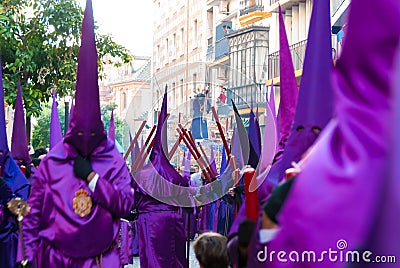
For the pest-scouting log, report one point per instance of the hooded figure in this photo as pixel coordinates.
(82, 187)
(313, 111)
(12, 184)
(161, 227)
(334, 203)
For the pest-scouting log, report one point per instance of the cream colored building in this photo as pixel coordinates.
(129, 88)
(179, 53)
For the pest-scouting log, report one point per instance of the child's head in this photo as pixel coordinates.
(211, 251)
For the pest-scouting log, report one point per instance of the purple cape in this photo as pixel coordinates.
(52, 227)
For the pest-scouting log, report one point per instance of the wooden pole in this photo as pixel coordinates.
(135, 139)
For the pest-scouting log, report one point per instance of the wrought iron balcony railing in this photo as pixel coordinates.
(335, 5)
(297, 50)
(250, 9)
(273, 2)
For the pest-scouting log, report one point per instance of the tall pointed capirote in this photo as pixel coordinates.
(55, 126)
(186, 171)
(223, 161)
(71, 110)
(19, 142)
(86, 130)
(248, 153)
(271, 101)
(213, 165)
(272, 106)
(343, 190)
(242, 135)
(288, 85)
(111, 128)
(315, 101)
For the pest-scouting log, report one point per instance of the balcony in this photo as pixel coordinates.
(297, 50)
(339, 9)
(221, 48)
(285, 4)
(213, 2)
(210, 56)
(251, 14)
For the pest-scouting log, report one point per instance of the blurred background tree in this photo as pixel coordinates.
(39, 45)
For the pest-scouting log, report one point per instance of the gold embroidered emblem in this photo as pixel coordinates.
(82, 203)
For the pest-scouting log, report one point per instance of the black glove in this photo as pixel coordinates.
(82, 167)
(132, 216)
(19, 265)
(5, 191)
(245, 232)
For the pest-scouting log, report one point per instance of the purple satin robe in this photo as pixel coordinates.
(54, 232)
(162, 238)
(125, 245)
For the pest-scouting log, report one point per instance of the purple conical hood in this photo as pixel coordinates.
(71, 110)
(254, 141)
(3, 133)
(241, 136)
(315, 102)
(111, 129)
(158, 158)
(19, 142)
(288, 89)
(183, 159)
(55, 127)
(186, 171)
(271, 104)
(269, 145)
(212, 161)
(86, 130)
(271, 101)
(135, 150)
(223, 161)
(236, 149)
(158, 178)
(343, 177)
(158, 147)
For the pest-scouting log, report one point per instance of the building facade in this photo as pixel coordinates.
(230, 47)
(129, 87)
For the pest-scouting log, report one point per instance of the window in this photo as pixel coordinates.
(195, 82)
(123, 100)
(167, 50)
(195, 37)
(181, 90)
(157, 58)
(182, 45)
(174, 46)
(173, 95)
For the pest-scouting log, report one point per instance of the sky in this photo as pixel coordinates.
(129, 21)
